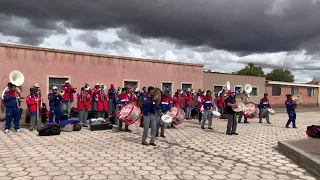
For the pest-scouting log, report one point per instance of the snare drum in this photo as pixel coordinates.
(129, 113)
(166, 119)
(177, 115)
(216, 113)
(271, 111)
(251, 110)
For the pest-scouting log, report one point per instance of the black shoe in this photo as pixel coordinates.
(269, 122)
(173, 127)
(85, 125)
(228, 133)
(260, 122)
(127, 130)
(294, 127)
(157, 135)
(246, 122)
(235, 133)
(163, 136)
(239, 121)
(209, 127)
(287, 127)
(153, 144)
(145, 144)
(202, 127)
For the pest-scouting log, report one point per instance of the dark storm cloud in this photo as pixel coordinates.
(242, 26)
(68, 42)
(90, 38)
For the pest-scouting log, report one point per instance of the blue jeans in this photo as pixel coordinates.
(55, 111)
(188, 112)
(14, 113)
(292, 118)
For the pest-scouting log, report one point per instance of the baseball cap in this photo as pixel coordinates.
(97, 84)
(112, 85)
(36, 85)
(55, 87)
(230, 92)
(67, 82)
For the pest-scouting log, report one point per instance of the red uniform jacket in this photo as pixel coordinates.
(219, 102)
(189, 100)
(177, 102)
(135, 98)
(82, 104)
(89, 91)
(68, 94)
(32, 104)
(200, 99)
(102, 105)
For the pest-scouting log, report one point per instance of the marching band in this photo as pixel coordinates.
(158, 109)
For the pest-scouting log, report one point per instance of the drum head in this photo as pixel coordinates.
(251, 110)
(125, 110)
(157, 93)
(271, 111)
(166, 118)
(216, 113)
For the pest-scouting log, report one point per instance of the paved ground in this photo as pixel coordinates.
(186, 153)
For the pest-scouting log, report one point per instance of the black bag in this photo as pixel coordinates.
(64, 115)
(50, 130)
(27, 118)
(101, 126)
(315, 131)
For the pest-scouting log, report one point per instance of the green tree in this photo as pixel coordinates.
(251, 70)
(283, 75)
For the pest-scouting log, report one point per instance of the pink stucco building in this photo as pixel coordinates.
(51, 67)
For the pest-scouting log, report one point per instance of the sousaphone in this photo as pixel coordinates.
(158, 94)
(297, 98)
(16, 77)
(241, 97)
(248, 89)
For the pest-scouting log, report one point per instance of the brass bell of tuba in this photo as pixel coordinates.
(297, 98)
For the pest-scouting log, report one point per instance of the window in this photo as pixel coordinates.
(132, 84)
(185, 87)
(56, 82)
(167, 85)
(217, 89)
(276, 90)
(254, 91)
(310, 92)
(294, 90)
(237, 88)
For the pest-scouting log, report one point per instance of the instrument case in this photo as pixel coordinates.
(102, 126)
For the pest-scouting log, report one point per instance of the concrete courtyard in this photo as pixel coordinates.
(186, 153)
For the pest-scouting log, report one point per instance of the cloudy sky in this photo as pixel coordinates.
(224, 35)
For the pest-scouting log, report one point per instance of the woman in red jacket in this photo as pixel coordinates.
(102, 104)
(84, 105)
(189, 98)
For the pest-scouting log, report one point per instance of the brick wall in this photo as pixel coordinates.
(279, 100)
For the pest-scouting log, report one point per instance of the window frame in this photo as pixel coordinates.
(190, 83)
(272, 90)
(312, 92)
(56, 77)
(131, 80)
(213, 92)
(293, 89)
(257, 91)
(234, 87)
(168, 82)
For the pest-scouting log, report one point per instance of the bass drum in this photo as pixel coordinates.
(251, 110)
(129, 113)
(177, 114)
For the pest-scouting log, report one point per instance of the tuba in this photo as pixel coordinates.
(16, 78)
(87, 86)
(248, 89)
(241, 97)
(297, 98)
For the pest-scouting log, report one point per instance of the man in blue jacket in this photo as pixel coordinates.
(149, 119)
(12, 103)
(55, 102)
(291, 110)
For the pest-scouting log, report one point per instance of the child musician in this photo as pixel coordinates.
(84, 105)
(122, 100)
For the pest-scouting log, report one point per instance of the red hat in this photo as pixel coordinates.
(128, 87)
(112, 85)
(230, 92)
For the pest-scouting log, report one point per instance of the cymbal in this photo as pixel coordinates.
(240, 107)
(297, 98)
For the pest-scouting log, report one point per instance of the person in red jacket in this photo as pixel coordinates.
(177, 100)
(95, 92)
(219, 103)
(84, 105)
(32, 102)
(67, 97)
(102, 104)
(133, 97)
(122, 99)
(189, 100)
(200, 105)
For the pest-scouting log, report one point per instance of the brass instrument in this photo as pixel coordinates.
(102, 89)
(240, 107)
(297, 98)
(241, 97)
(157, 93)
(87, 86)
(62, 93)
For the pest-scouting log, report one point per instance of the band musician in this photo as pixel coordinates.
(102, 103)
(12, 103)
(208, 105)
(67, 97)
(232, 120)
(84, 106)
(122, 99)
(291, 110)
(55, 100)
(33, 103)
(95, 92)
(200, 104)
(189, 100)
(264, 105)
(242, 114)
(163, 108)
(111, 98)
(148, 111)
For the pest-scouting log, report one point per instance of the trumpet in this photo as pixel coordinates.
(61, 93)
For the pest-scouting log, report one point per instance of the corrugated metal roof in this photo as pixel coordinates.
(96, 55)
